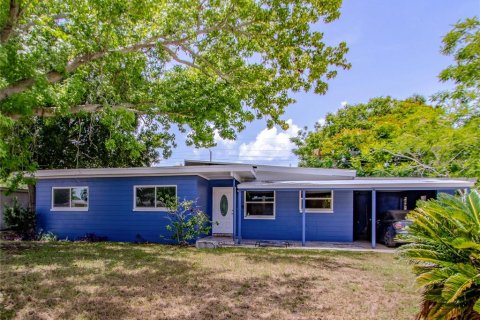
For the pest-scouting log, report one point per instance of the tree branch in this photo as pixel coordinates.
(91, 108)
(199, 57)
(55, 76)
(182, 61)
(418, 162)
(13, 15)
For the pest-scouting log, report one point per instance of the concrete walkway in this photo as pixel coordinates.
(358, 246)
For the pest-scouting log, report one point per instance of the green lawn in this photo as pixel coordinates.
(67, 280)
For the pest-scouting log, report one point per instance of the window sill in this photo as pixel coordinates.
(69, 209)
(259, 217)
(317, 211)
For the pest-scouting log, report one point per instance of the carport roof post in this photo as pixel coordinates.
(374, 219)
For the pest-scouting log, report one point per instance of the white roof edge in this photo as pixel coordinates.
(361, 184)
(273, 168)
(193, 170)
(311, 171)
(136, 172)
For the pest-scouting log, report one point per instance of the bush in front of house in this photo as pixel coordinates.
(445, 254)
(187, 221)
(20, 220)
(48, 236)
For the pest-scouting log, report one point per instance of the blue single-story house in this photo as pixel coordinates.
(246, 201)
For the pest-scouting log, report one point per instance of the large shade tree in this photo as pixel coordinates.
(388, 137)
(409, 137)
(204, 66)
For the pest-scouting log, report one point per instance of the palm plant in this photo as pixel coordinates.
(445, 254)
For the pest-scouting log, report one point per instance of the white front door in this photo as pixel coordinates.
(222, 210)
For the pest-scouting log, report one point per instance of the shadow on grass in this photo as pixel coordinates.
(310, 258)
(117, 281)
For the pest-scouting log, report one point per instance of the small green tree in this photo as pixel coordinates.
(445, 253)
(20, 220)
(187, 221)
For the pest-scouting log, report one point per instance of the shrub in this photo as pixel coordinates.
(445, 253)
(20, 220)
(187, 222)
(47, 236)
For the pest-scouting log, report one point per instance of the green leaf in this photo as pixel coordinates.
(476, 306)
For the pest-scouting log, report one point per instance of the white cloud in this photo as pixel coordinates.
(321, 121)
(270, 144)
(343, 103)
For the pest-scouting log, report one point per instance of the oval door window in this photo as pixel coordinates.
(223, 205)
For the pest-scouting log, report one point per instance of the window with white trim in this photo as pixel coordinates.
(317, 201)
(260, 204)
(70, 198)
(154, 197)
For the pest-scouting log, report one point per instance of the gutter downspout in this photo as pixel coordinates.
(239, 214)
(234, 205)
(303, 218)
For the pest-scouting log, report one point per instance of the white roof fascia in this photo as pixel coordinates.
(235, 176)
(307, 171)
(282, 169)
(359, 184)
(207, 172)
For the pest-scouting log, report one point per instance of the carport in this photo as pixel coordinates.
(382, 194)
(400, 194)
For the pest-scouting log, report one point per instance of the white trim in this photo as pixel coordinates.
(345, 173)
(155, 186)
(331, 210)
(70, 208)
(258, 217)
(359, 183)
(206, 172)
(235, 176)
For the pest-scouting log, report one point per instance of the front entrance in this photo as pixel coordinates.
(222, 211)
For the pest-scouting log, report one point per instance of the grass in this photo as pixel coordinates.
(68, 280)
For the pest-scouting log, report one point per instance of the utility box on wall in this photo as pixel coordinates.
(22, 198)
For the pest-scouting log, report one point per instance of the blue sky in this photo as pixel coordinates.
(394, 50)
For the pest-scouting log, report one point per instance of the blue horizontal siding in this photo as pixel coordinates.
(111, 211)
(287, 225)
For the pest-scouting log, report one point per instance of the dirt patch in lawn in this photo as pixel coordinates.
(126, 281)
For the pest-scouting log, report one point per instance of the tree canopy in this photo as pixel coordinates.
(409, 137)
(239, 59)
(204, 66)
(463, 43)
(84, 141)
(388, 137)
